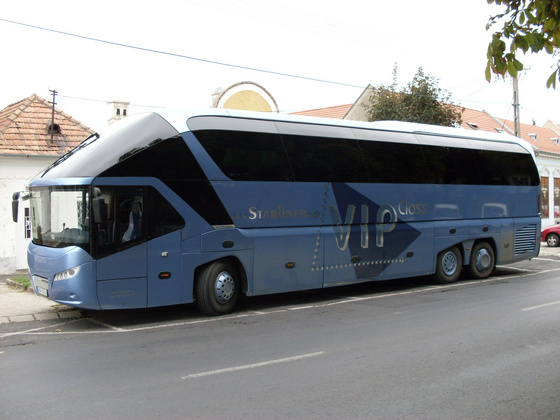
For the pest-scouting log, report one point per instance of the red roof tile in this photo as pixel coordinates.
(546, 139)
(24, 129)
(541, 138)
(337, 112)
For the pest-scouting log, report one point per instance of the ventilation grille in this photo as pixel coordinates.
(525, 239)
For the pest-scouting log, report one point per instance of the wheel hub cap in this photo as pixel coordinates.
(225, 286)
(483, 259)
(449, 263)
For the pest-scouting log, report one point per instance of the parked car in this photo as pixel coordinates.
(551, 235)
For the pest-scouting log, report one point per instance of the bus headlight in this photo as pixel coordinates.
(67, 274)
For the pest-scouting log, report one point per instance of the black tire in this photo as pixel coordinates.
(448, 266)
(217, 288)
(482, 260)
(552, 239)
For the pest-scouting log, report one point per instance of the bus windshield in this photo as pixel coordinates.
(60, 216)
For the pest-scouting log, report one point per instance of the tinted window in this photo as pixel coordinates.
(134, 214)
(322, 159)
(202, 198)
(451, 165)
(394, 162)
(172, 161)
(501, 168)
(162, 159)
(122, 139)
(247, 156)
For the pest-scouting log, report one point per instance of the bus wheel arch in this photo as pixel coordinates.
(482, 260)
(449, 264)
(218, 285)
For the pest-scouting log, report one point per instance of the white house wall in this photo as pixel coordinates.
(15, 174)
(549, 166)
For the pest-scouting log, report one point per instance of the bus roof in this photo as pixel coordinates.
(178, 119)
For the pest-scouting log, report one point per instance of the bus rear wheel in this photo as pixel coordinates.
(217, 288)
(448, 266)
(482, 260)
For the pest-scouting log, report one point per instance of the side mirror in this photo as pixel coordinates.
(15, 206)
(15, 203)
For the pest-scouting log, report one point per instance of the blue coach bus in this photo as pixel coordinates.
(179, 207)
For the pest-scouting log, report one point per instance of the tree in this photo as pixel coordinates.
(527, 25)
(422, 101)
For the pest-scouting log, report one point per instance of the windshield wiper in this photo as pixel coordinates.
(87, 141)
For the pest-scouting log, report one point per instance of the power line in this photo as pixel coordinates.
(106, 102)
(134, 47)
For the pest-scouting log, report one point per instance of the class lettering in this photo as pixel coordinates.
(405, 208)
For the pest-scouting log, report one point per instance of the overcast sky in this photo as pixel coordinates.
(352, 43)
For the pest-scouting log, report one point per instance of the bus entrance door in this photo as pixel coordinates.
(121, 279)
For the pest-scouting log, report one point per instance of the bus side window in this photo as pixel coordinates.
(163, 216)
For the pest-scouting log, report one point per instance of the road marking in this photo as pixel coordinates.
(545, 259)
(253, 365)
(523, 270)
(37, 330)
(112, 327)
(544, 305)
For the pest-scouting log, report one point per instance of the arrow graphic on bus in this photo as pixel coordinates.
(392, 237)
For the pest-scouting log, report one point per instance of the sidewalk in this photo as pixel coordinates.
(17, 305)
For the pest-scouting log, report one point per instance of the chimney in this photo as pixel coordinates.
(118, 111)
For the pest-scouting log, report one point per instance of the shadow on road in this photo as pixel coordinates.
(180, 313)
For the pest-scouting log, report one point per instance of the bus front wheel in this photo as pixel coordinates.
(217, 288)
(482, 260)
(448, 267)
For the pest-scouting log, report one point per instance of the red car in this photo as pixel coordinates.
(551, 235)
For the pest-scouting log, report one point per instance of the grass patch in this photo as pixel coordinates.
(23, 280)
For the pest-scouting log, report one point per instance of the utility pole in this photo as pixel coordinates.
(516, 121)
(53, 92)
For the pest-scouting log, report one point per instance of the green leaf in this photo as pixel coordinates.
(488, 72)
(520, 42)
(511, 68)
(518, 64)
(552, 80)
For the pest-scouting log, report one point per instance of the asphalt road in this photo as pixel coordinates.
(405, 349)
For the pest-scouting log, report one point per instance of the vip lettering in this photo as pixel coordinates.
(385, 222)
(279, 213)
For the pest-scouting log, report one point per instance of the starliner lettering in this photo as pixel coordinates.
(279, 213)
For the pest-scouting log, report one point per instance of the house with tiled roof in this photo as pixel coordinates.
(545, 143)
(30, 140)
(544, 140)
(554, 127)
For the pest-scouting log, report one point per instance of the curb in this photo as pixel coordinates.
(43, 316)
(16, 285)
(57, 311)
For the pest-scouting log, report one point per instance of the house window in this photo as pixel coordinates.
(556, 198)
(54, 129)
(27, 224)
(544, 197)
